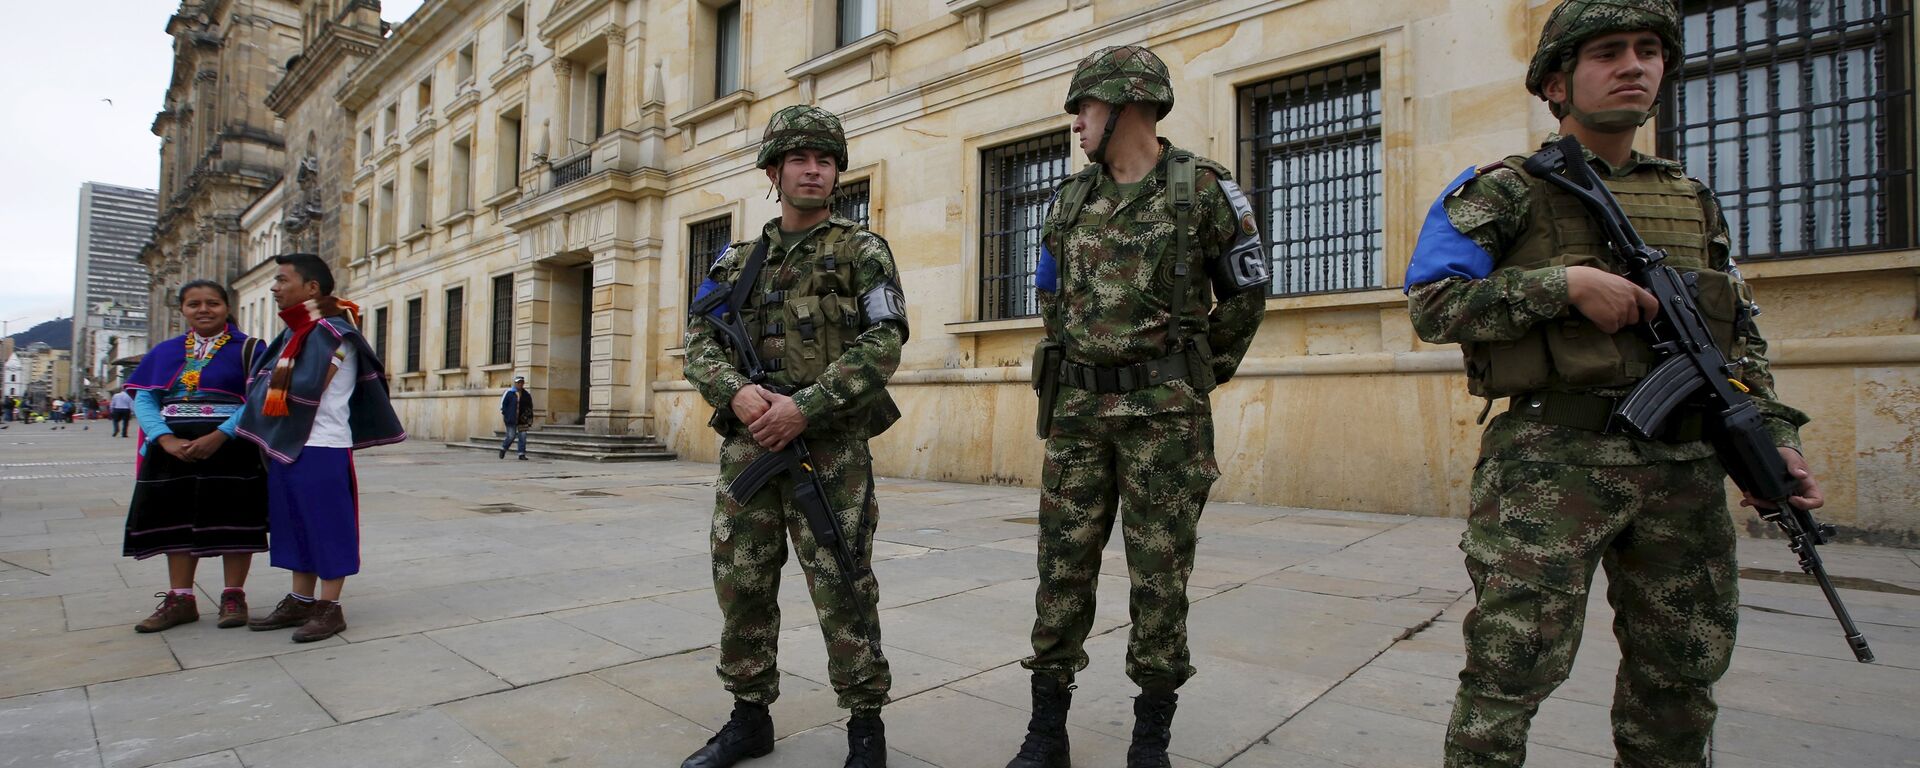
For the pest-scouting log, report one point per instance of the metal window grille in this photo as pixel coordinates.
(1310, 153)
(1016, 182)
(456, 326)
(1799, 114)
(705, 241)
(855, 201)
(503, 319)
(381, 322)
(415, 310)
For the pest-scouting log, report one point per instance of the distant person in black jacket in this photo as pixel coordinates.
(516, 409)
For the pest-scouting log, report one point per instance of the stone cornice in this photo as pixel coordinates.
(408, 41)
(513, 68)
(564, 15)
(336, 44)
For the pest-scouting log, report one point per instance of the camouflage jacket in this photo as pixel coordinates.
(1491, 209)
(1112, 306)
(851, 382)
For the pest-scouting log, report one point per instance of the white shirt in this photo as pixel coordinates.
(330, 429)
(122, 401)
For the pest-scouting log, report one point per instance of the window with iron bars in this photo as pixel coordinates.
(1799, 115)
(1016, 182)
(415, 310)
(456, 327)
(705, 241)
(855, 201)
(503, 319)
(1310, 154)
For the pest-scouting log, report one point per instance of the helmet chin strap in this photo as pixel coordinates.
(1608, 120)
(1099, 153)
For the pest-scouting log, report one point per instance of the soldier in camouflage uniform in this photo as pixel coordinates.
(829, 318)
(1515, 270)
(1131, 245)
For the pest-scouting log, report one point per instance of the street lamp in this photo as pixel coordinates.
(4, 324)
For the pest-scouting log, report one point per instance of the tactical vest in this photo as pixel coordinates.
(804, 315)
(1571, 353)
(1182, 168)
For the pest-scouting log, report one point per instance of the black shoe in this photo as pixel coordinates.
(1046, 745)
(503, 453)
(866, 742)
(1152, 729)
(749, 733)
(523, 457)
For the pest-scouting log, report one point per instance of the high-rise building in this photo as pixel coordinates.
(110, 285)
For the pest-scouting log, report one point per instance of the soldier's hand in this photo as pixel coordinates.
(1609, 300)
(750, 403)
(1810, 496)
(779, 425)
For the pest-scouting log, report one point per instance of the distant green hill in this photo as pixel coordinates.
(57, 333)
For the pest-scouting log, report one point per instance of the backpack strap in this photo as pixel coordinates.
(1068, 199)
(1180, 174)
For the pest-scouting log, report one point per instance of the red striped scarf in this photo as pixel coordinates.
(301, 319)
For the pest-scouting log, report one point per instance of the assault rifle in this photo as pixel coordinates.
(717, 307)
(1694, 372)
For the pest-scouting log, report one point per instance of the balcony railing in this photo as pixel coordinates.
(572, 169)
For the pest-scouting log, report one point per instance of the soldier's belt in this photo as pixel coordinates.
(1124, 378)
(1594, 413)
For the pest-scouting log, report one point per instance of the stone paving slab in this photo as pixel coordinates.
(580, 630)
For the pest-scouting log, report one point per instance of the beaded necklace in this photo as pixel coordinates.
(196, 360)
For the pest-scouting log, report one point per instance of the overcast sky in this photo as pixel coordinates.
(59, 131)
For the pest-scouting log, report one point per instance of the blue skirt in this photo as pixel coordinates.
(313, 506)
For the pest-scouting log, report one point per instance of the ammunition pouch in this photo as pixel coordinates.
(1048, 356)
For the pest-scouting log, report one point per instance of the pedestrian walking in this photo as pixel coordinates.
(516, 410)
(121, 411)
(1152, 284)
(818, 297)
(1516, 271)
(198, 493)
(316, 395)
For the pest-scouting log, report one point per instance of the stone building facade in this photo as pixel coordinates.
(536, 185)
(221, 147)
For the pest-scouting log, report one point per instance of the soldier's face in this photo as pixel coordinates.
(805, 173)
(1616, 71)
(1091, 122)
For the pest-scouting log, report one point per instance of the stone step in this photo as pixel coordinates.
(612, 442)
(567, 454)
(562, 445)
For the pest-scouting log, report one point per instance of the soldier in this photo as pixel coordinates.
(821, 298)
(1514, 270)
(1131, 425)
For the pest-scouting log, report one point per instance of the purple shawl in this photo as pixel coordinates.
(225, 374)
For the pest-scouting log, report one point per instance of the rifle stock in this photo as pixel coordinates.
(1694, 371)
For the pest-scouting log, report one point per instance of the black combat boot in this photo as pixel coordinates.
(866, 742)
(1152, 729)
(1046, 744)
(749, 733)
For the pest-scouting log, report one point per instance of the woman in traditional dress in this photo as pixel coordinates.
(199, 493)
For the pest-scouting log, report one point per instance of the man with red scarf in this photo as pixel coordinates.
(316, 395)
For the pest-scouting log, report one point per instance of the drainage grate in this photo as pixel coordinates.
(500, 509)
(1024, 520)
(591, 494)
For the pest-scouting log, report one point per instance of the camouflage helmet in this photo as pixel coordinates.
(1122, 74)
(801, 126)
(1577, 21)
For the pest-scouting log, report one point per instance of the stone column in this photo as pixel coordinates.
(562, 108)
(612, 372)
(616, 78)
(533, 330)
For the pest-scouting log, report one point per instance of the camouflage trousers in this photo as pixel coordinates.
(749, 542)
(1155, 471)
(1535, 533)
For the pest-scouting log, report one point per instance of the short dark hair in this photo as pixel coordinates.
(192, 284)
(311, 268)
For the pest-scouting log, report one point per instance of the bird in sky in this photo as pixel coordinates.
(108, 101)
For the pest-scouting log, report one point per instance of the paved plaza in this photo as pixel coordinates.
(560, 614)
